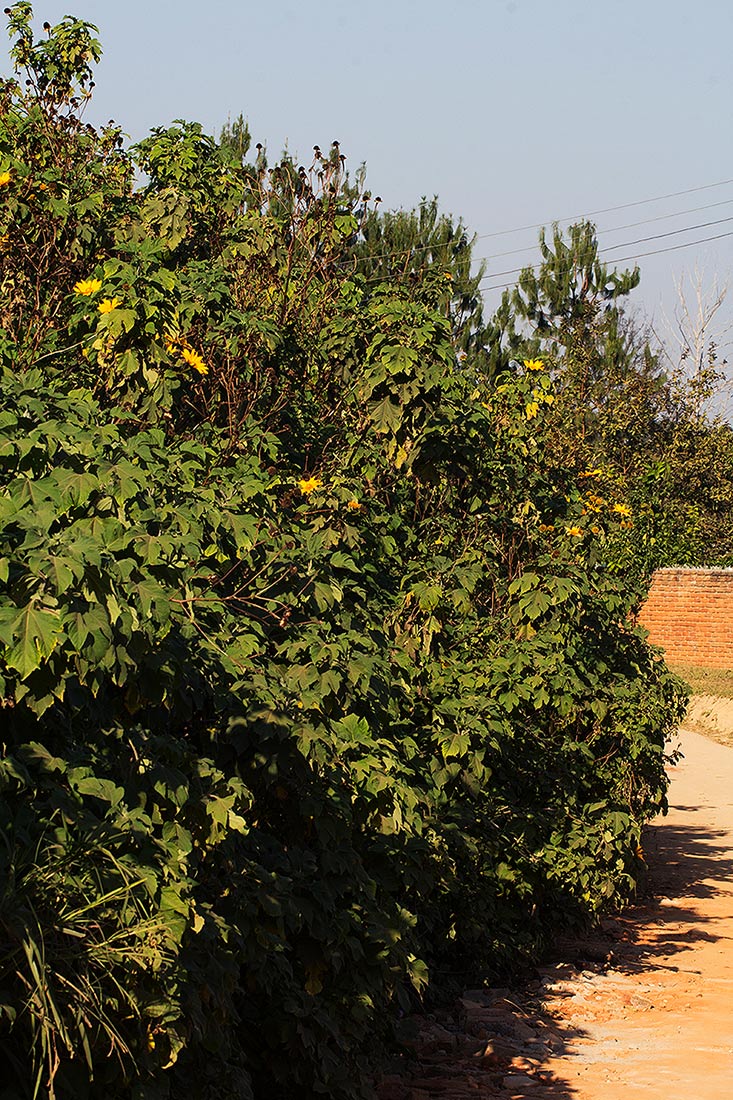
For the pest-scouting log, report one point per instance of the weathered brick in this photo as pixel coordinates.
(689, 613)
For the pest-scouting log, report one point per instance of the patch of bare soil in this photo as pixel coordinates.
(712, 716)
(642, 1008)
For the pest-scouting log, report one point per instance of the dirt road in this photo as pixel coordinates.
(643, 1010)
(657, 1024)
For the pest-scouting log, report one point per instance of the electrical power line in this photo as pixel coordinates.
(625, 259)
(673, 247)
(609, 229)
(404, 253)
(605, 210)
(625, 244)
(672, 233)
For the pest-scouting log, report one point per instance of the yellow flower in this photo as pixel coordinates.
(108, 304)
(85, 287)
(622, 509)
(5, 178)
(447, 275)
(354, 505)
(309, 485)
(577, 531)
(194, 360)
(534, 364)
(531, 410)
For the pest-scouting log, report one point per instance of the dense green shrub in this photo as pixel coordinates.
(314, 683)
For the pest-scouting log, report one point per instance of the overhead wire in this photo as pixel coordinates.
(606, 209)
(607, 248)
(625, 244)
(577, 217)
(614, 228)
(625, 259)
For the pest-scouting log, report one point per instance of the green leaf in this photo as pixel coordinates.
(35, 634)
(62, 574)
(105, 789)
(386, 416)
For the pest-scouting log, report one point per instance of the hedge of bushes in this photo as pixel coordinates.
(314, 683)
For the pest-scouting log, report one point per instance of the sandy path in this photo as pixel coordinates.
(657, 1024)
(643, 1010)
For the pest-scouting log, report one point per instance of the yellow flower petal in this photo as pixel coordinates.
(108, 304)
(5, 178)
(194, 360)
(534, 364)
(309, 485)
(85, 287)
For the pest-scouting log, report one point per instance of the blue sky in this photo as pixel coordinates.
(514, 112)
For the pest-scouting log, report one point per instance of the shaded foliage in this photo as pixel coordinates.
(314, 681)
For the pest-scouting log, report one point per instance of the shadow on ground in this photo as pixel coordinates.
(492, 1045)
(686, 865)
(496, 1042)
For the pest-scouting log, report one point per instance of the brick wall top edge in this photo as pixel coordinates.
(709, 570)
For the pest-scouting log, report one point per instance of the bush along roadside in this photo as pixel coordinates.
(314, 681)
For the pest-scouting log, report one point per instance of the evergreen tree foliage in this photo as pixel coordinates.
(404, 246)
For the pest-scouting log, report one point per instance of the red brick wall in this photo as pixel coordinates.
(690, 614)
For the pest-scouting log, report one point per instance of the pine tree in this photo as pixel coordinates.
(409, 246)
(612, 392)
